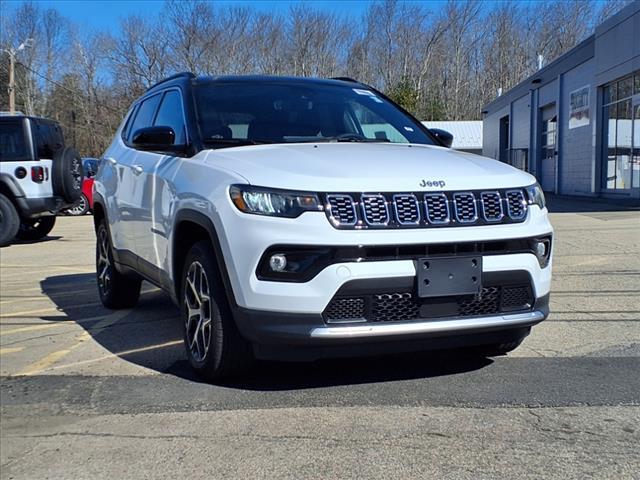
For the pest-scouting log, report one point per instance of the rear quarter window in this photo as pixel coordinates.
(13, 142)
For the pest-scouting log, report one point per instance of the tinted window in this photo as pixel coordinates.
(144, 116)
(300, 112)
(12, 142)
(90, 166)
(48, 139)
(170, 115)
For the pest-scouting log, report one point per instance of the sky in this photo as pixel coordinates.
(104, 14)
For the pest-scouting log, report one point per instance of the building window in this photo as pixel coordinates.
(621, 133)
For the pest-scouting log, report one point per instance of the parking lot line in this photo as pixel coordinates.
(111, 355)
(53, 357)
(6, 350)
(34, 328)
(48, 310)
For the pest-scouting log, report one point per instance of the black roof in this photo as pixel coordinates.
(181, 78)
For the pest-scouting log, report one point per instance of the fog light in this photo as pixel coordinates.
(541, 249)
(278, 262)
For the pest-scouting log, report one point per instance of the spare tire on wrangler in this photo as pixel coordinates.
(67, 174)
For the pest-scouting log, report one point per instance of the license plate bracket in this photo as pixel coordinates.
(449, 276)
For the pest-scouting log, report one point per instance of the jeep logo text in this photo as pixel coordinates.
(432, 183)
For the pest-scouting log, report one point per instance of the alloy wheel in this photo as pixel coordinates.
(197, 303)
(103, 263)
(78, 208)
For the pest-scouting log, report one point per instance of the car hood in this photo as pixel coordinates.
(366, 167)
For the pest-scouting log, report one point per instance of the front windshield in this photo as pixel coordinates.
(252, 113)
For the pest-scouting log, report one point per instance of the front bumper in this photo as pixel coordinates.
(308, 337)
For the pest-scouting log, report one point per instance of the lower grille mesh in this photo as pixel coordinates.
(405, 306)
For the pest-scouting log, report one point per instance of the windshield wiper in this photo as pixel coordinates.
(351, 137)
(233, 142)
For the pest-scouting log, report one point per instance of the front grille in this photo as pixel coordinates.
(342, 210)
(345, 309)
(374, 208)
(407, 209)
(515, 298)
(465, 207)
(406, 306)
(516, 205)
(392, 307)
(437, 209)
(491, 206)
(437, 206)
(487, 304)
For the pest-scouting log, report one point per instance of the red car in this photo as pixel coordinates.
(85, 204)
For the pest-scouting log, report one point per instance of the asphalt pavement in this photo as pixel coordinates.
(90, 393)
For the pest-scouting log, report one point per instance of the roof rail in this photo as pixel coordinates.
(172, 77)
(345, 79)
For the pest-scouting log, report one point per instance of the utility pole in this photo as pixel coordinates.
(12, 82)
(28, 43)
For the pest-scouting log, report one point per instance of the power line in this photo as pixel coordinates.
(64, 87)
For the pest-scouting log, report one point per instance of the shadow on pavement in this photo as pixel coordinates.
(150, 336)
(572, 204)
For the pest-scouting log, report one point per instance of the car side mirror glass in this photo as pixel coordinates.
(158, 138)
(443, 136)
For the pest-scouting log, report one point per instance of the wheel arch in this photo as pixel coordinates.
(190, 227)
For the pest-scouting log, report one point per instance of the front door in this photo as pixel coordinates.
(548, 149)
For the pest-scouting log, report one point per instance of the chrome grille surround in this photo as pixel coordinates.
(437, 208)
(516, 204)
(407, 209)
(464, 206)
(374, 210)
(491, 203)
(341, 210)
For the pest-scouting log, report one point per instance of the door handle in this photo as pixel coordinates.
(137, 169)
(111, 160)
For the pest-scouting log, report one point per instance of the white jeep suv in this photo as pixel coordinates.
(39, 176)
(301, 218)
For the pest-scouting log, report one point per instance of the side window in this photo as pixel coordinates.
(144, 116)
(127, 126)
(47, 140)
(13, 146)
(170, 115)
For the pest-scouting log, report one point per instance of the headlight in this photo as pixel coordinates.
(276, 203)
(536, 196)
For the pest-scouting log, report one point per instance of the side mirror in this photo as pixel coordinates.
(157, 138)
(443, 136)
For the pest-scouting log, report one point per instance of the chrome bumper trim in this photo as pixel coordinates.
(431, 326)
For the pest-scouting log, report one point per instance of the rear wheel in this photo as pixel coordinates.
(9, 221)
(35, 228)
(213, 344)
(116, 290)
(81, 207)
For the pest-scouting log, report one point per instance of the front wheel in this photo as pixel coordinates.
(35, 228)
(116, 290)
(213, 344)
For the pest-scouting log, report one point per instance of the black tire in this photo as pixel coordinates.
(81, 207)
(115, 289)
(35, 228)
(223, 352)
(67, 174)
(9, 221)
(498, 349)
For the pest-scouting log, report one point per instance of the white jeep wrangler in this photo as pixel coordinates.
(39, 176)
(302, 218)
